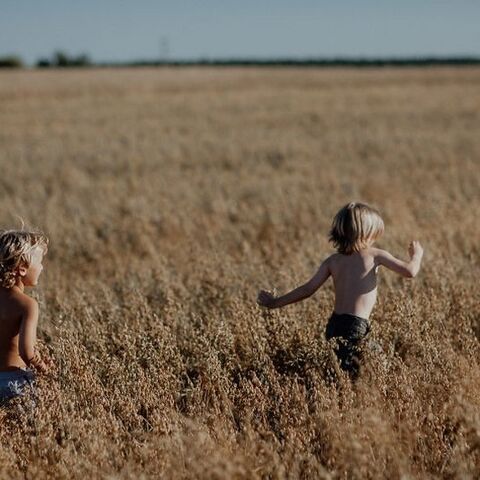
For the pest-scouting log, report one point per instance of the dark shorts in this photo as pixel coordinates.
(350, 330)
(15, 383)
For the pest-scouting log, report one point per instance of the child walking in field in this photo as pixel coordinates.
(21, 255)
(353, 269)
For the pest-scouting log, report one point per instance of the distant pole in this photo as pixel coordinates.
(164, 49)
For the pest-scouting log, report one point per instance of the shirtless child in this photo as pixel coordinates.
(21, 255)
(353, 269)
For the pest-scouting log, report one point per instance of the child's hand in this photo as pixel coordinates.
(45, 367)
(41, 367)
(50, 364)
(265, 299)
(415, 249)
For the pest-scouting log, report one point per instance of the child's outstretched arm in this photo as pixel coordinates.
(266, 299)
(406, 269)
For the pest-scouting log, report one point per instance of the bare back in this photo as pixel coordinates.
(355, 280)
(11, 311)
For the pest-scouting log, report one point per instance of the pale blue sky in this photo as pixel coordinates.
(116, 30)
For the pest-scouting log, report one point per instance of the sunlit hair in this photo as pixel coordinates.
(354, 226)
(16, 248)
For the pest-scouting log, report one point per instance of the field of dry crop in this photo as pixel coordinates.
(170, 197)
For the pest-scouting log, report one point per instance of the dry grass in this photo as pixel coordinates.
(171, 197)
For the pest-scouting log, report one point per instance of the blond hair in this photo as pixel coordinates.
(354, 226)
(16, 247)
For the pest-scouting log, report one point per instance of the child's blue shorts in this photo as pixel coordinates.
(15, 383)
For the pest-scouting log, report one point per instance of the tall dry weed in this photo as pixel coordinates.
(171, 197)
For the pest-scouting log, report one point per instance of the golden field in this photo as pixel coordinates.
(171, 196)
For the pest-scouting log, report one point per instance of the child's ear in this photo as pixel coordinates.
(22, 270)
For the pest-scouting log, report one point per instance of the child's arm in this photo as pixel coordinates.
(406, 269)
(266, 299)
(28, 335)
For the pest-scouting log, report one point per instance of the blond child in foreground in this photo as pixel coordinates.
(353, 269)
(21, 255)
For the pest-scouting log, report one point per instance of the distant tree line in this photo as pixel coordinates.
(11, 61)
(309, 62)
(61, 59)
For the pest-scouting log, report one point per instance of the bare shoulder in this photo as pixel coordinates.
(23, 303)
(332, 259)
(333, 262)
(378, 254)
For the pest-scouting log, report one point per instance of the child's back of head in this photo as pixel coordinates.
(355, 227)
